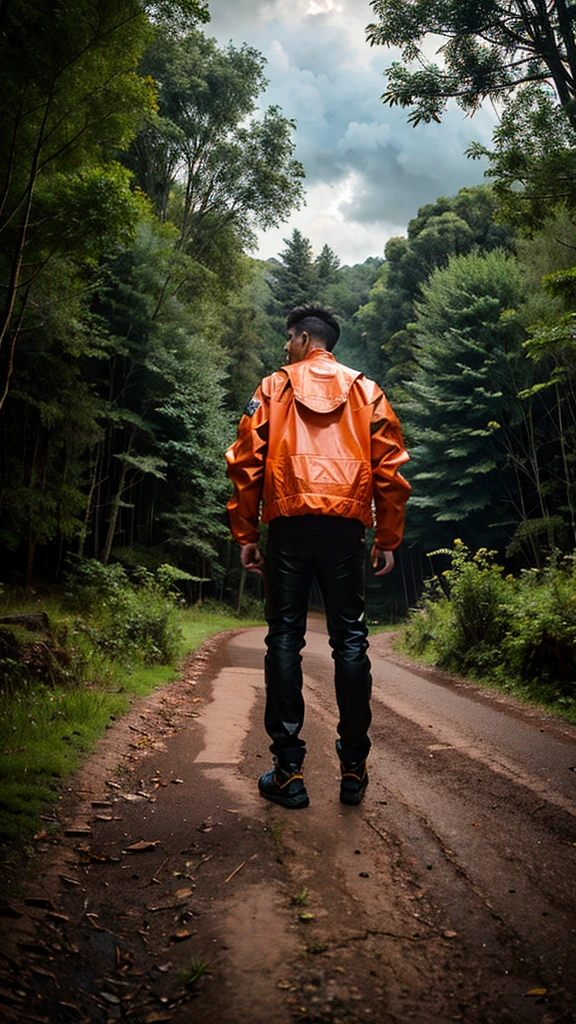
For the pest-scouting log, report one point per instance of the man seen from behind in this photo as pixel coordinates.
(318, 449)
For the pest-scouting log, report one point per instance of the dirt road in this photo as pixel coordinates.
(179, 895)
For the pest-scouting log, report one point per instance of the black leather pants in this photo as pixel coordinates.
(339, 566)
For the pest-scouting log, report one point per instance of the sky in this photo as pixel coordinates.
(367, 170)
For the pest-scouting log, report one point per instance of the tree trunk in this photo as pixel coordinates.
(30, 557)
(93, 485)
(241, 591)
(114, 515)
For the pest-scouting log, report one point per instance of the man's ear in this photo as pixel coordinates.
(305, 338)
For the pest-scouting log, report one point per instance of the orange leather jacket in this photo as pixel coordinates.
(320, 438)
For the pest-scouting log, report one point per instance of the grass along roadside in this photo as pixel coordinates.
(46, 730)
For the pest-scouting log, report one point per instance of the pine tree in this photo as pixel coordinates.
(475, 456)
(295, 280)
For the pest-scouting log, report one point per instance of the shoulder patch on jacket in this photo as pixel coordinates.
(253, 404)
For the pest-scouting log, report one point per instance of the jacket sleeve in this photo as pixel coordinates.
(391, 490)
(246, 460)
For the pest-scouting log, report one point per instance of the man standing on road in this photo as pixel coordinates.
(318, 446)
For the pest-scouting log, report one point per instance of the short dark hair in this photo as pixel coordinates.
(318, 321)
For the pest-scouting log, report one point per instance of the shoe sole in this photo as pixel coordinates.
(291, 802)
(352, 801)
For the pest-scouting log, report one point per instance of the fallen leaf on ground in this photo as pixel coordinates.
(177, 782)
(156, 1018)
(93, 919)
(41, 972)
(181, 893)
(142, 847)
(536, 992)
(109, 997)
(171, 904)
(181, 935)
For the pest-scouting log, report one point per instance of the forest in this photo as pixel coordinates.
(136, 164)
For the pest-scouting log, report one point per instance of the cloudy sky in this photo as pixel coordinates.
(367, 171)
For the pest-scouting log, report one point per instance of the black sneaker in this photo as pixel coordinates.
(354, 779)
(284, 785)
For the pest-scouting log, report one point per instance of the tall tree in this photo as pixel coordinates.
(327, 265)
(225, 165)
(451, 226)
(295, 279)
(489, 49)
(71, 96)
(479, 456)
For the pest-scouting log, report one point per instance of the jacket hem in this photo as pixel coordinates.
(315, 504)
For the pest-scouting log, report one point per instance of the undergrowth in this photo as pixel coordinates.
(112, 637)
(518, 633)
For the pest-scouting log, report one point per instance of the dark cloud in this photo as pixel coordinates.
(324, 75)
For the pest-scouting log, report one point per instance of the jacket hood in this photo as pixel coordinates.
(320, 382)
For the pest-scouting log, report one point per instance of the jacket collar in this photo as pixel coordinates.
(320, 382)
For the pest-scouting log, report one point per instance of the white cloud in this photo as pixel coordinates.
(324, 222)
(364, 136)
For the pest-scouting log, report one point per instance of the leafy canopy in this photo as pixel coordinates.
(487, 48)
(230, 166)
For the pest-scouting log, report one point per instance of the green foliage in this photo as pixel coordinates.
(234, 171)
(133, 619)
(190, 975)
(46, 729)
(441, 230)
(71, 97)
(112, 352)
(463, 414)
(487, 50)
(532, 159)
(517, 632)
(294, 280)
(475, 594)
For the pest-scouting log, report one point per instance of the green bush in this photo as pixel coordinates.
(130, 618)
(540, 645)
(519, 632)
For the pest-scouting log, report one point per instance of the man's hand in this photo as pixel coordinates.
(378, 555)
(251, 558)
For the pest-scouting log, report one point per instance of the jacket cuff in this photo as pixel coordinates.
(246, 538)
